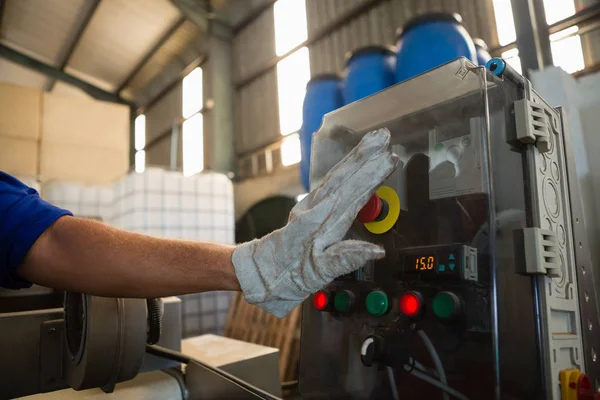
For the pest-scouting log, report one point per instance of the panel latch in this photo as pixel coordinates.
(533, 124)
(539, 250)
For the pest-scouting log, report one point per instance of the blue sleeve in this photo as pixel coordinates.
(24, 216)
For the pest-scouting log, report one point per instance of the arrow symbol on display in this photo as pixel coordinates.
(451, 267)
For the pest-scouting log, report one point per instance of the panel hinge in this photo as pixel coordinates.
(539, 250)
(533, 124)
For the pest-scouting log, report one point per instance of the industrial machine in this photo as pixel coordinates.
(110, 348)
(486, 290)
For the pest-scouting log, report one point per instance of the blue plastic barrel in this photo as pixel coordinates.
(430, 40)
(483, 55)
(323, 95)
(369, 70)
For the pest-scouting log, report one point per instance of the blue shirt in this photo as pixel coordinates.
(24, 216)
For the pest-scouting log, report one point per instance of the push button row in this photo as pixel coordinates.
(445, 305)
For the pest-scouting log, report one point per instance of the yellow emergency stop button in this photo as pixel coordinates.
(389, 219)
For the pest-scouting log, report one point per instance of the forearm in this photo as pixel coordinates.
(86, 256)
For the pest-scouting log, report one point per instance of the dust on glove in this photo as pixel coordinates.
(279, 271)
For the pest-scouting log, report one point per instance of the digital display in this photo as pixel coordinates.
(424, 263)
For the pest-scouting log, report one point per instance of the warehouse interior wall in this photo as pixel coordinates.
(55, 137)
(255, 66)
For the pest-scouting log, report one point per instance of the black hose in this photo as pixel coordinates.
(182, 358)
(154, 321)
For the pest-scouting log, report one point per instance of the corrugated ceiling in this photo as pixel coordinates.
(104, 42)
(41, 27)
(119, 35)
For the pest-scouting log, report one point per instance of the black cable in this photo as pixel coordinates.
(182, 358)
(154, 321)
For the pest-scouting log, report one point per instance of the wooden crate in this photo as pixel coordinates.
(251, 324)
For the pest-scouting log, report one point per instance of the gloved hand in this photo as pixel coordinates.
(280, 270)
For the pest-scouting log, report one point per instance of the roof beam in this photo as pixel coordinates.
(71, 44)
(161, 41)
(2, 4)
(55, 73)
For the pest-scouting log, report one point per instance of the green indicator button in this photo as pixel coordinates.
(446, 305)
(343, 301)
(439, 147)
(377, 303)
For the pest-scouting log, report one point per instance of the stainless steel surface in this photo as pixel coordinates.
(204, 384)
(586, 281)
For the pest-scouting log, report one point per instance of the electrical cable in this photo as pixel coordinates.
(437, 362)
(184, 359)
(447, 390)
(421, 368)
(392, 379)
(154, 320)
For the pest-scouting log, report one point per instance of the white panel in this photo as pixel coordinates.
(20, 110)
(42, 27)
(119, 35)
(18, 75)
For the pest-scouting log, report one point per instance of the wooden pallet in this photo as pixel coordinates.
(251, 324)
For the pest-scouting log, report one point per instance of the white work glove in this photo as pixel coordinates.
(280, 270)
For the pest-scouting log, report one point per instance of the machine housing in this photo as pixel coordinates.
(490, 219)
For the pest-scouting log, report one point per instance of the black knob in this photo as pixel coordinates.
(370, 350)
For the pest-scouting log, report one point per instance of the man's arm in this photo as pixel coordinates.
(81, 255)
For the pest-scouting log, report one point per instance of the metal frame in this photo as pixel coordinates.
(2, 5)
(76, 38)
(532, 34)
(53, 72)
(325, 31)
(585, 277)
(584, 17)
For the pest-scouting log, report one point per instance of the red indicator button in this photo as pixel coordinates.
(371, 210)
(411, 304)
(320, 300)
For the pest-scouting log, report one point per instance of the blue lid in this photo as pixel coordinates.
(428, 17)
(371, 49)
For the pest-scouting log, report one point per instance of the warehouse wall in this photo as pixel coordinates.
(58, 137)
(254, 47)
(160, 119)
(256, 108)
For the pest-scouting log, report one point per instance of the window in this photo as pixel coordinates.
(192, 93)
(290, 24)
(557, 10)
(139, 133)
(193, 145)
(193, 124)
(301, 197)
(513, 59)
(140, 161)
(293, 73)
(290, 150)
(505, 24)
(567, 52)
